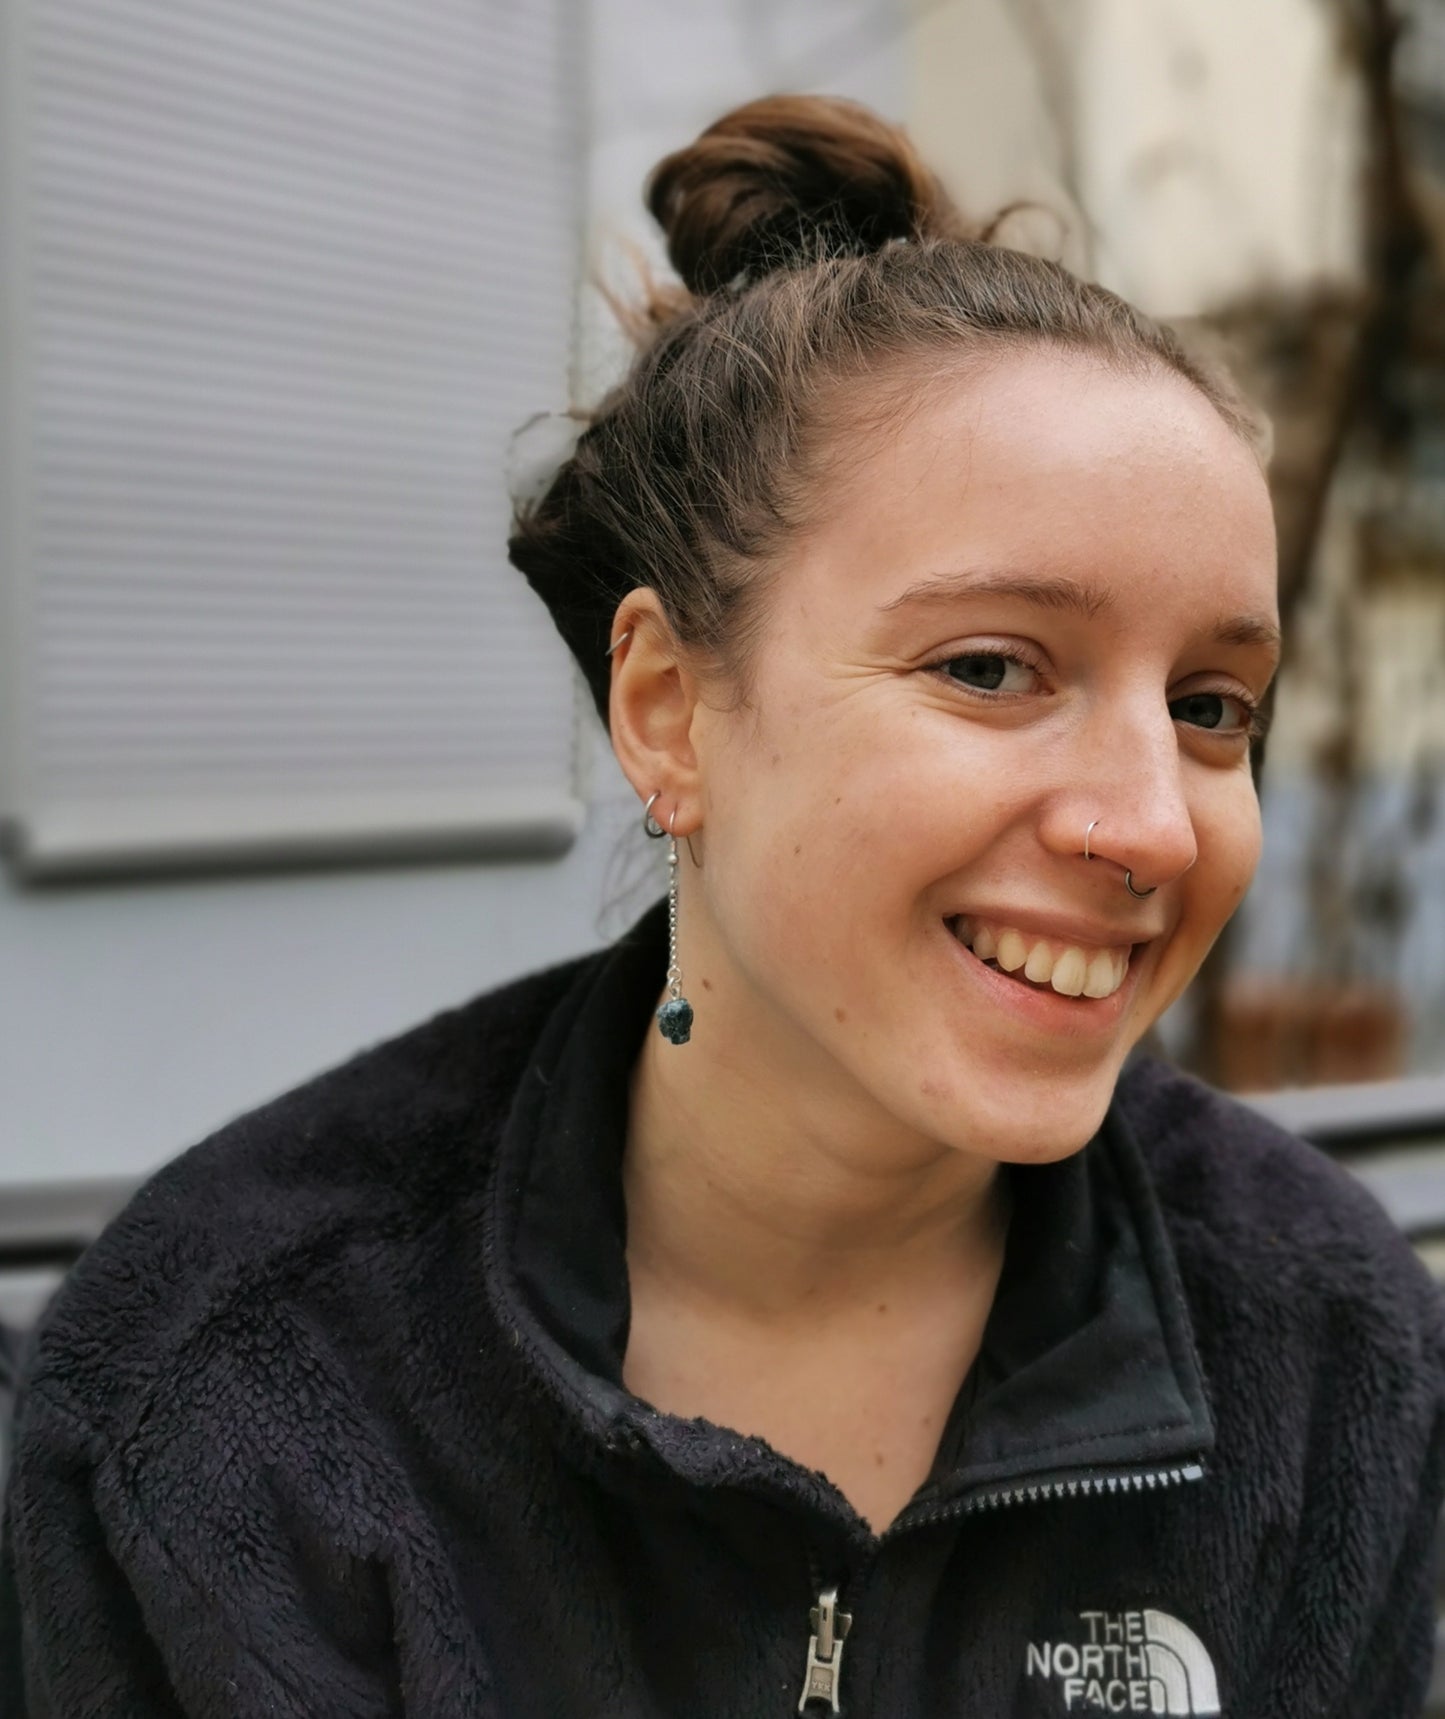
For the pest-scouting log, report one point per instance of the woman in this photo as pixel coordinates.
(799, 1306)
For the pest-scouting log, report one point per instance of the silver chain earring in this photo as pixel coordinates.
(674, 1018)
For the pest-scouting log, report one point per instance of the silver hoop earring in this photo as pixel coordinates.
(674, 1017)
(1087, 833)
(650, 824)
(620, 640)
(1141, 893)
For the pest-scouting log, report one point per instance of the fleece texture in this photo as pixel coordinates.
(330, 1421)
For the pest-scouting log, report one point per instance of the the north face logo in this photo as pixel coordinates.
(1129, 1662)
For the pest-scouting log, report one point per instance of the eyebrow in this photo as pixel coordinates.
(1054, 591)
(1249, 630)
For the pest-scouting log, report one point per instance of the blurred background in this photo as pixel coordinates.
(289, 756)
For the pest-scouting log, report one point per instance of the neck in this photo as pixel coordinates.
(765, 1190)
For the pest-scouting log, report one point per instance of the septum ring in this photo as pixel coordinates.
(1128, 875)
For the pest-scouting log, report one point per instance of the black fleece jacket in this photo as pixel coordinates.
(331, 1421)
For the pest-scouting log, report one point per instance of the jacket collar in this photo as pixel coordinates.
(1087, 1361)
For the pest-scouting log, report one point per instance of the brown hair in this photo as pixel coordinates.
(815, 250)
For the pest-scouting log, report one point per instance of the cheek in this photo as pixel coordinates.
(816, 832)
(851, 809)
(1234, 836)
(843, 810)
(797, 859)
(1229, 834)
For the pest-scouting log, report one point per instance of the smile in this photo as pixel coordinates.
(1045, 963)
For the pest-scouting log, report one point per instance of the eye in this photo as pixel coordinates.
(988, 671)
(1212, 711)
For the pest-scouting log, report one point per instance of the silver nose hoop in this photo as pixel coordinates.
(1128, 875)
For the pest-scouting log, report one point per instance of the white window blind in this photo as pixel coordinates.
(280, 279)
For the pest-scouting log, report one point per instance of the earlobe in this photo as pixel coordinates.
(650, 710)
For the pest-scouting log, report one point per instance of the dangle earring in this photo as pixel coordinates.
(674, 1018)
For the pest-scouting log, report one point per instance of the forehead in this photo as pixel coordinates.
(1045, 464)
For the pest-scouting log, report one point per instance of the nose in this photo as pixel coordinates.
(1127, 780)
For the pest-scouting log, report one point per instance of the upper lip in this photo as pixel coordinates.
(1061, 927)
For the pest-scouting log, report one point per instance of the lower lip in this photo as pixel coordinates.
(1066, 1017)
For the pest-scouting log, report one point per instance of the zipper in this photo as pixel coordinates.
(1083, 1485)
(824, 1675)
(822, 1679)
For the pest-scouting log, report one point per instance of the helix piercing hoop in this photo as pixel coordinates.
(620, 640)
(674, 1017)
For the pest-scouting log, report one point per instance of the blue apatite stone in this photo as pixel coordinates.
(675, 1020)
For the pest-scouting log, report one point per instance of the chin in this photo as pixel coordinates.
(1029, 1116)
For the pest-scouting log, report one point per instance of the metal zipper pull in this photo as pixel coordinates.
(825, 1651)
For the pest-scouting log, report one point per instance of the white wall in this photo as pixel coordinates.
(136, 1018)
(993, 106)
(1214, 147)
(1220, 148)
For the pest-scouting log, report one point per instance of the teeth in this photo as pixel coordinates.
(1104, 976)
(1012, 951)
(1071, 971)
(1040, 964)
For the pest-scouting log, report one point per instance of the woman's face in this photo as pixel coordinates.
(1046, 598)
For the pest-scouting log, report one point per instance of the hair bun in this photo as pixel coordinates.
(790, 178)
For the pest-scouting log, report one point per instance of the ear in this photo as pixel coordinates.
(650, 711)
